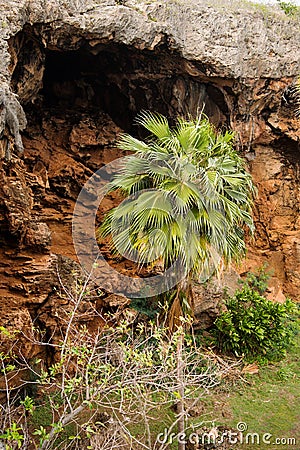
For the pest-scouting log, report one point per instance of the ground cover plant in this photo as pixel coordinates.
(265, 400)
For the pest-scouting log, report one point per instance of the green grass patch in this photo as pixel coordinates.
(268, 403)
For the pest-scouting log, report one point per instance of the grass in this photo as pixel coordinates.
(271, 403)
(280, 10)
(43, 417)
(267, 403)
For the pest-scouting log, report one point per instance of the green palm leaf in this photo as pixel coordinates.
(155, 123)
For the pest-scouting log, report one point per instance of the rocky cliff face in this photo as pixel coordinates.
(73, 75)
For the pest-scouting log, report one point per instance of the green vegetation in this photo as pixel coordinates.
(188, 198)
(255, 327)
(13, 436)
(126, 375)
(257, 281)
(135, 371)
(187, 201)
(149, 307)
(267, 401)
(266, 10)
(289, 8)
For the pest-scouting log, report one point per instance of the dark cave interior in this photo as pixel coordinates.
(112, 78)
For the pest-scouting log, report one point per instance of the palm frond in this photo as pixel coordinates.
(155, 123)
(129, 143)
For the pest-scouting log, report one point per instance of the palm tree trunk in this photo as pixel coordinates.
(175, 312)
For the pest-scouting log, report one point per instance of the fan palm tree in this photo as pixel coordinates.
(187, 200)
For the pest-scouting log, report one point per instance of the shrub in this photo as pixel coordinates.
(255, 327)
(148, 307)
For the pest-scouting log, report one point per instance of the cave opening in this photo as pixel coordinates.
(78, 80)
(122, 81)
(79, 92)
(108, 77)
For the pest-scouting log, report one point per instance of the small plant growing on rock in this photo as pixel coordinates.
(289, 8)
(257, 281)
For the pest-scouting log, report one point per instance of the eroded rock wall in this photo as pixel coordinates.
(73, 75)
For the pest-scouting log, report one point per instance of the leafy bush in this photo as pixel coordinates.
(255, 327)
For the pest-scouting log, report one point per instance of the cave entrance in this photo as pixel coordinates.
(83, 81)
(108, 77)
(79, 92)
(122, 81)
